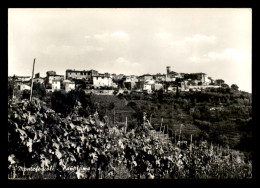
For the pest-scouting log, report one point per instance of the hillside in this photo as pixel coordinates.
(87, 148)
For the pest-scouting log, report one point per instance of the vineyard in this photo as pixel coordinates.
(44, 145)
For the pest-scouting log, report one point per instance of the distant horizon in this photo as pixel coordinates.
(133, 41)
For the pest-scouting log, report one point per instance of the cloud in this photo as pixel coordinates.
(196, 39)
(119, 35)
(163, 35)
(126, 66)
(230, 54)
(195, 59)
(200, 38)
(87, 37)
(69, 50)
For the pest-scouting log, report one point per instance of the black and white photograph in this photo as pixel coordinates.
(129, 93)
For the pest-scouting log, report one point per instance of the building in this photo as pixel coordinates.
(145, 77)
(198, 78)
(39, 80)
(37, 75)
(50, 73)
(130, 82)
(149, 85)
(21, 82)
(171, 75)
(148, 88)
(158, 86)
(172, 89)
(102, 81)
(77, 74)
(22, 87)
(54, 77)
(82, 75)
(69, 85)
(23, 78)
(55, 86)
(118, 77)
(160, 77)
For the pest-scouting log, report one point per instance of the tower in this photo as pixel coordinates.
(168, 70)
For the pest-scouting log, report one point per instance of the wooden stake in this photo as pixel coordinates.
(32, 80)
(163, 129)
(180, 134)
(114, 117)
(175, 136)
(191, 142)
(23, 168)
(125, 124)
(161, 124)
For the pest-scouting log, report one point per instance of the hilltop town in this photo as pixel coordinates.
(107, 84)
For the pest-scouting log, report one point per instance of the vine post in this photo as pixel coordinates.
(125, 124)
(161, 124)
(175, 136)
(32, 80)
(191, 143)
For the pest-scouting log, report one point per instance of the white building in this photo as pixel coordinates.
(158, 86)
(23, 87)
(55, 85)
(69, 85)
(148, 88)
(102, 81)
(54, 77)
(172, 89)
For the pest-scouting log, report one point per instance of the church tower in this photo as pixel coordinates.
(168, 70)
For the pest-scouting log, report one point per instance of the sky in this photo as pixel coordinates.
(133, 41)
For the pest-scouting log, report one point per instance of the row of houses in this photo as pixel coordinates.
(95, 80)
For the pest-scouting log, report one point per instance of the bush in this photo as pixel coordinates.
(26, 94)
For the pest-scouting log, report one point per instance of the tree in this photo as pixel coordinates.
(219, 82)
(234, 87)
(26, 94)
(39, 90)
(225, 85)
(111, 106)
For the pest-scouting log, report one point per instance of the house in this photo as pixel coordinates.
(22, 87)
(54, 77)
(145, 77)
(118, 77)
(147, 88)
(102, 81)
(172, 89)
(22, 82)
(38, 79)
(69, 85)
(149, 85)
(171, 75)
(51, 75)
(79, 75)
(130, 82)
(23, 79)
(55, 85)
(160, 77)
(158, 86)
